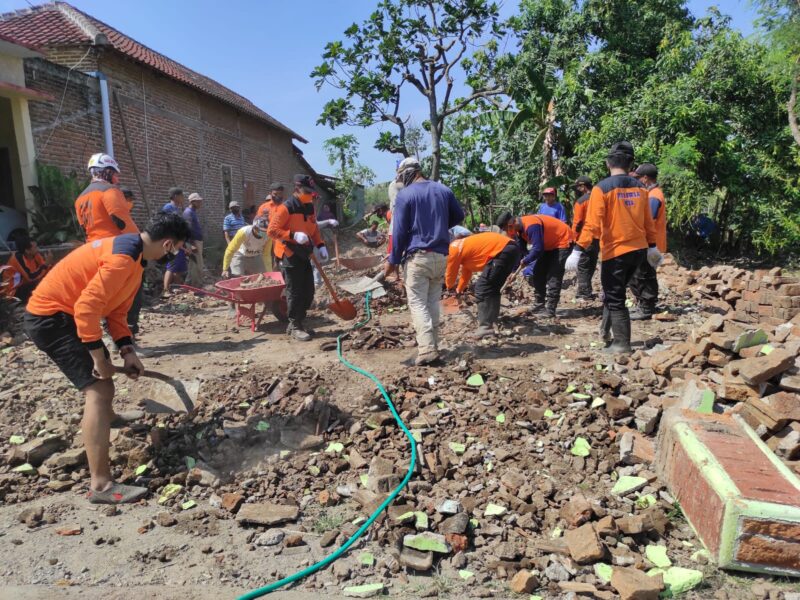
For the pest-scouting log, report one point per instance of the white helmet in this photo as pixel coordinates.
(101, 161)
(410, 162)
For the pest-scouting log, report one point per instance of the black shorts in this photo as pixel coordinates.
(57, 336)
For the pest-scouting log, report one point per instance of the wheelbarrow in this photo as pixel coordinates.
(361, 263)
(245, 299)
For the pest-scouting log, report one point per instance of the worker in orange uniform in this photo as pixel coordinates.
(101, 208)
(588, 263)
(274, 199)
(31, 266)
(644, 283)
(98, 281)
(550, 241)
(619, 216)
(496, 256)
(293, 227)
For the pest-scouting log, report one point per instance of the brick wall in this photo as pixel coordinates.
(176, 135)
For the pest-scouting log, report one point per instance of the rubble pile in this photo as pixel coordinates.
(374, 337)
(745, 360)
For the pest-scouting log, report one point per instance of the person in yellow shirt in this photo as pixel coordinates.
(494, 254)
(249, 252)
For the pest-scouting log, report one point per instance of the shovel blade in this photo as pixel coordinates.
(343, 309)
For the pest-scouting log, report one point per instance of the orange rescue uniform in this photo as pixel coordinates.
(660, 219)
(294, 215)
(265, 210)
(556, 233)
(579, 214)
(98, 280)
(103, 212)
(619, 216)
(471, 254)
(29, 269)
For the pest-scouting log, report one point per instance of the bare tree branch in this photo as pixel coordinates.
(474, 96)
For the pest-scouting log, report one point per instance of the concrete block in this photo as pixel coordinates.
(741, 500)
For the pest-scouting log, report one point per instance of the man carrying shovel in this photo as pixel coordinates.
(293, 227)
(63, 319)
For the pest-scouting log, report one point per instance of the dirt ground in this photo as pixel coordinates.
(208, 554)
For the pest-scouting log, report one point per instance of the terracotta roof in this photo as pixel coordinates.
(58, 25)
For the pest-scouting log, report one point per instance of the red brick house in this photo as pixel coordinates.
(164, 123)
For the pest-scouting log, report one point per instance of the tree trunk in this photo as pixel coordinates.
(436, 151)
(790, 107)
(548, 144)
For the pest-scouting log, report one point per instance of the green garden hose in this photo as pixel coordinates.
(257, 593)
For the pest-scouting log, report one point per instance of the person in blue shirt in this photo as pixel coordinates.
(458, 232)
(176, 269)
(423, 214)
(551, 207)
(196, 264)
(233, 221)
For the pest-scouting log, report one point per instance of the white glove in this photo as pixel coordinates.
(573, 260)
(334, 222)
(323, 253)
(654, 257)
(301, 238)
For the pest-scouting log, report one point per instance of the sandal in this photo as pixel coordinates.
(117, 493)
(122, 419)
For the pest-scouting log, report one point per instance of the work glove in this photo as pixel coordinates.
(333, 222)
(573, 259)
(528, 271)
(301, 238)
(323, 253)
(654, 257)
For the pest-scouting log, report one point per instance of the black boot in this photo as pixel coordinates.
(605, 327)
(550, 309)
(488, 311)
(642, 313)
(621, 328)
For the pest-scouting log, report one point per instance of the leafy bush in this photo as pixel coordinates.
(54, 220)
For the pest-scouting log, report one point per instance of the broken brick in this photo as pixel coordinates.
(632, 584)
(760, 369)
(584, 545)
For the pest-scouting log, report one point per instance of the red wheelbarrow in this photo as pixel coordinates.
(246, 298)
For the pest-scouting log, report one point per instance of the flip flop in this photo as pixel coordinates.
(118, 493)
(122, 419)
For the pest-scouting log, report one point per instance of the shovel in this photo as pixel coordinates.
(336, 249)
(511, 279)
(343, 309)
(178, 385)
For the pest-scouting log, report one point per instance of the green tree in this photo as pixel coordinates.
(419, 45)
(342, 152)
(780, 23)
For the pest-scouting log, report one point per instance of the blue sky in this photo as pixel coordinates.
(265, 50)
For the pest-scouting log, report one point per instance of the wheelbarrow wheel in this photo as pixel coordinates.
(280, 309)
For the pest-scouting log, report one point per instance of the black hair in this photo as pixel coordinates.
(175, 191)
(504, 219)
(168, 226)
(619, 161)
(23, 243)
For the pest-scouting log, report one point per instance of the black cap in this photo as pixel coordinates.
(622, 149)
(175, 191)
(648, 169)
(276, 186)
(504, 219)
(303, 181)
(127, 192)
(583, 179)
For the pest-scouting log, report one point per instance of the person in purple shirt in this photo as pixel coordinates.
(176, 268)
(551, 207)
(424, 212)
(196, 264)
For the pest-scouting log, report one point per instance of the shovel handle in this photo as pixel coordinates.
(146, 373)
(511, 279)
(336, 249)
(324, 278)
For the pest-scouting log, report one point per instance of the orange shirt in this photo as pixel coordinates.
(291, 217)
(660, 220)
(556, 233)
(619, 216)
(29, 269)
(103, 212)
(97, 280)
(471, 254)
(266, 209)
(579, 214)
